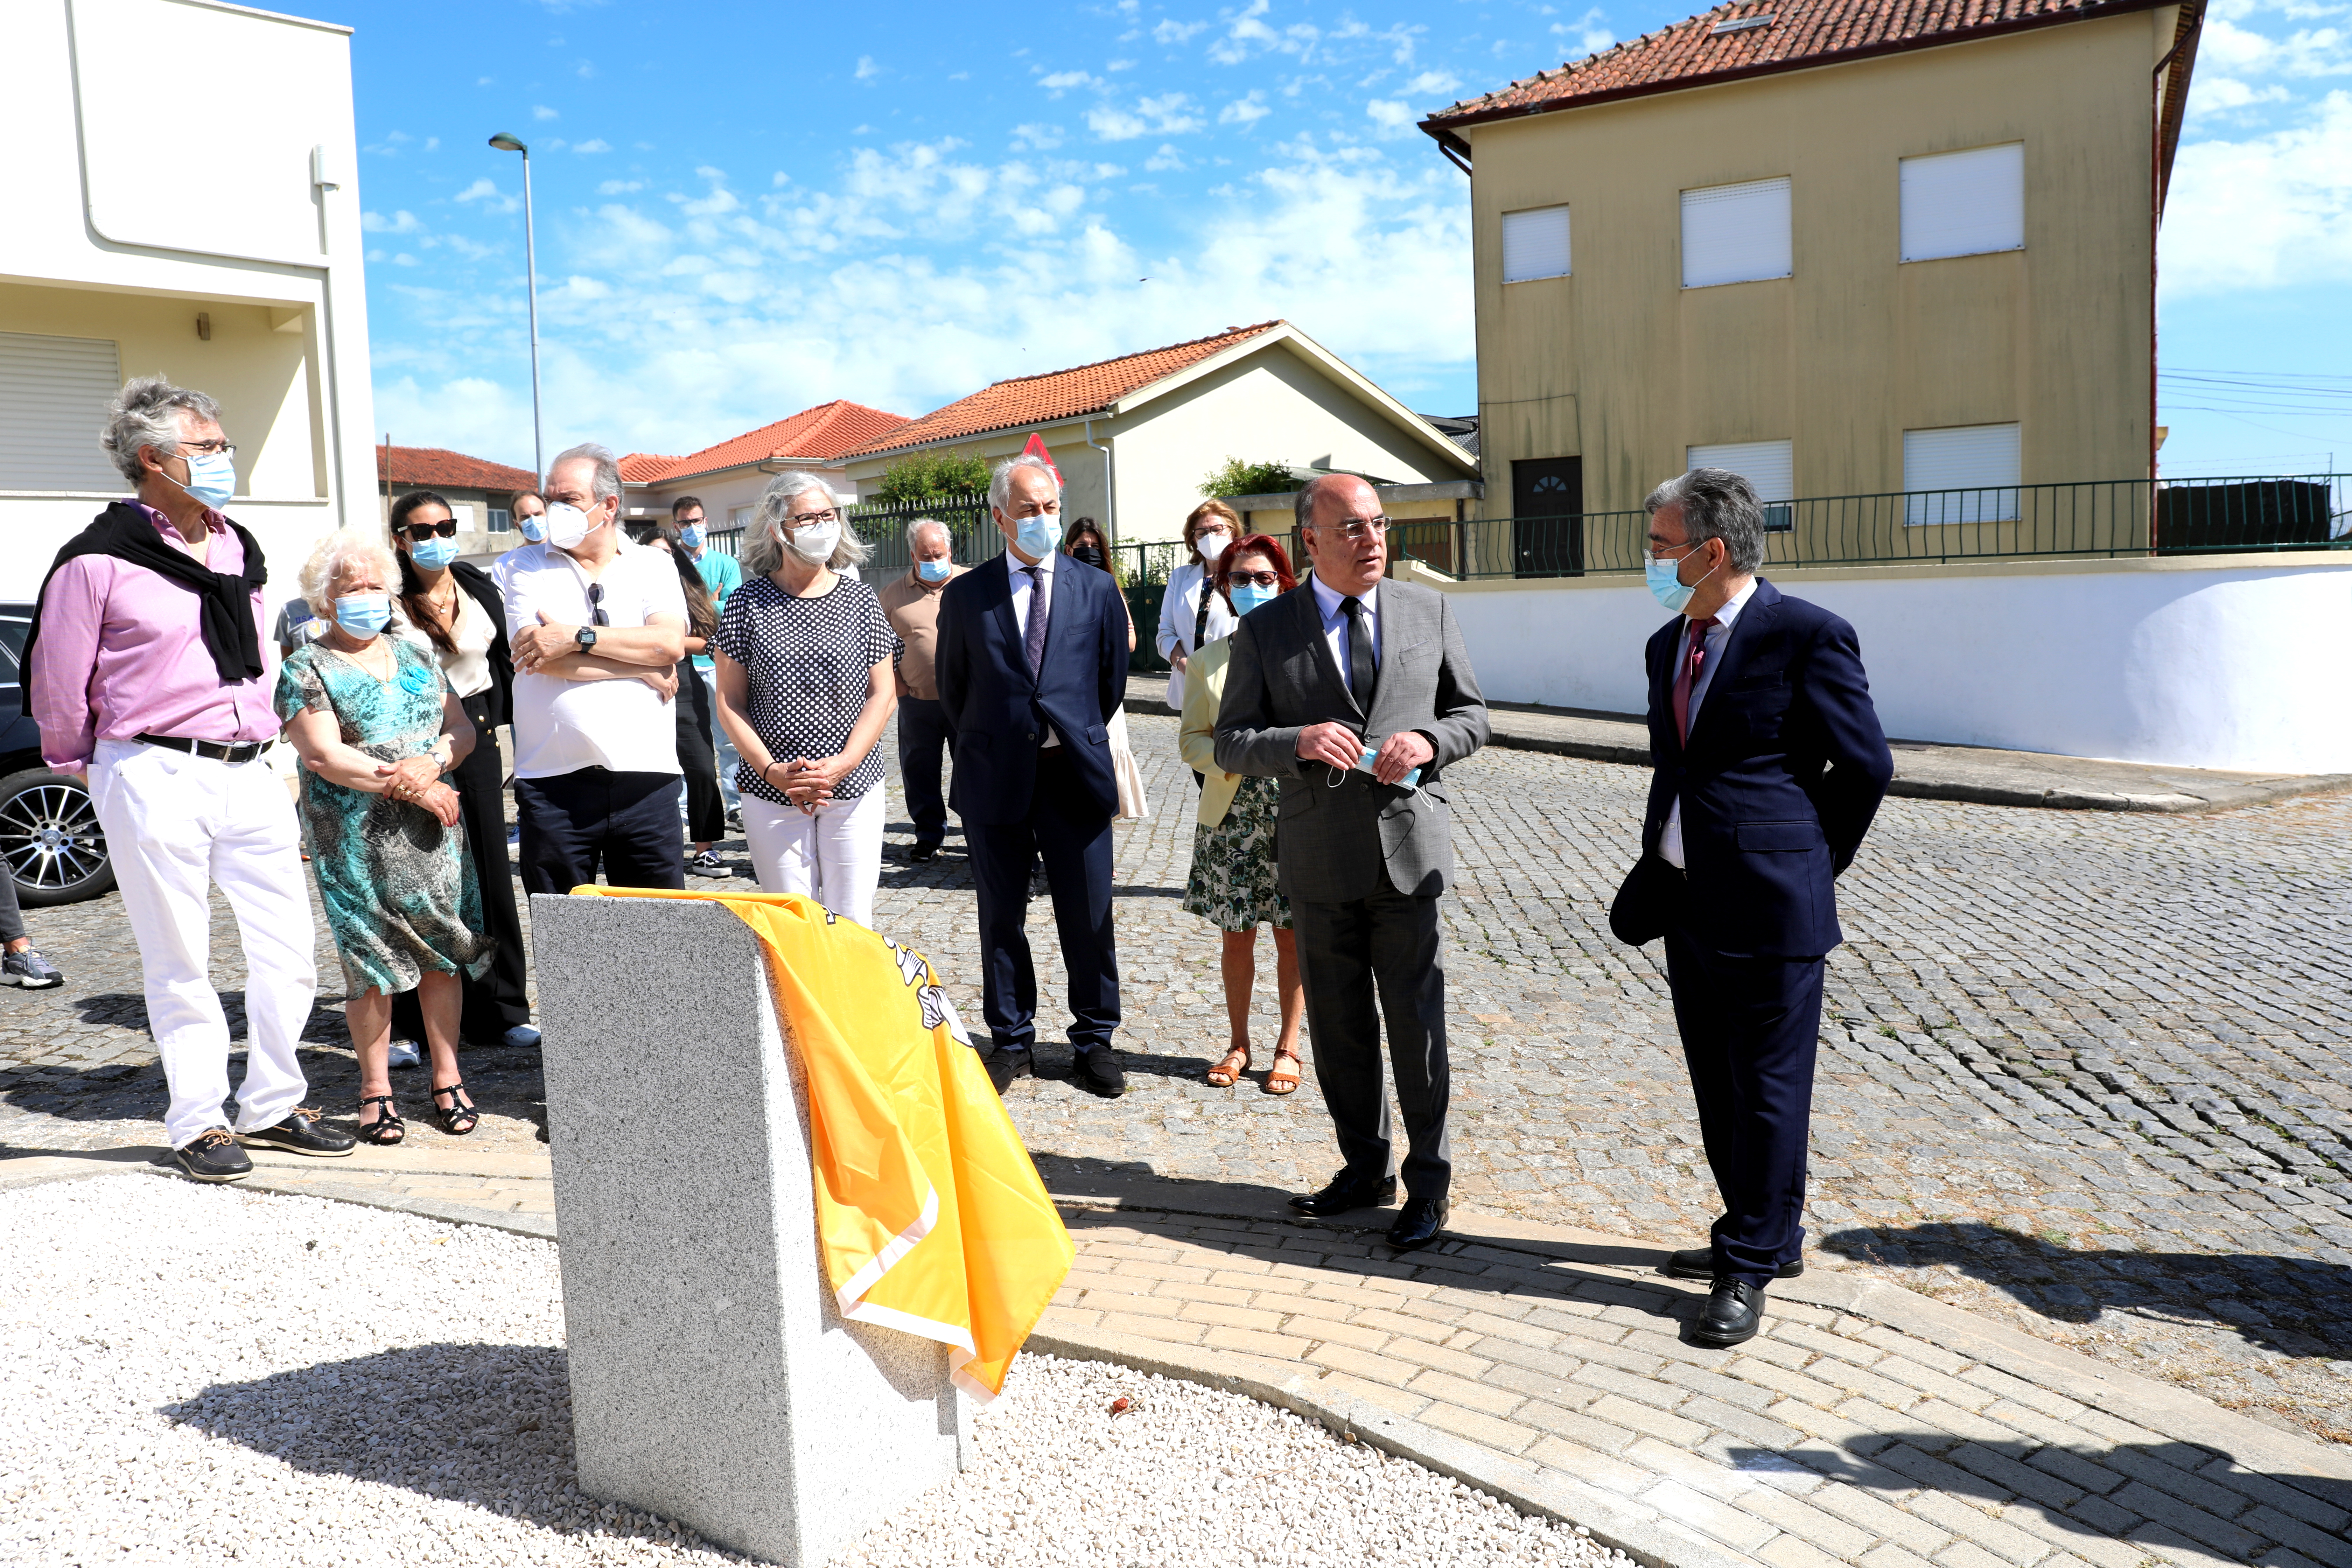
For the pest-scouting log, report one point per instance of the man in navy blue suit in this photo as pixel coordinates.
(1769, 765)
(1032, 663)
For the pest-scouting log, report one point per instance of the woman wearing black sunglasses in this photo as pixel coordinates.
(452, 608)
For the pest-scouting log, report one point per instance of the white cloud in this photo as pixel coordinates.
(1588, 35)
(593, 144)
(1061, 82)
(1392, 115)
(619, 187)
(2268, 211)
(1120, 66)
(398, 223)
(2221, 94)
(1040, 138)
(1174, 33)
(866, 69)
(486, 191)
(1244, 111)
(1431, 84)
(1169, 114)
(541, 112)
(1167, 159)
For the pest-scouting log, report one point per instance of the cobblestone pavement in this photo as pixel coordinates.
(2090, 1074)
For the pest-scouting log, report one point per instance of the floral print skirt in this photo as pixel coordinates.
(1233, 883)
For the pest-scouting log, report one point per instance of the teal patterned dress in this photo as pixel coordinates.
(399, 887)
(1235, 885)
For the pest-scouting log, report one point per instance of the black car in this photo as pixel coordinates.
(49, 835)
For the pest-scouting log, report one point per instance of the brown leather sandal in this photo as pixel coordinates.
(1228, 1071)
(1278, 1081)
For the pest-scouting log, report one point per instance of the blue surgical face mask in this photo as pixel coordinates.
(363, 614)
(934, 570)
(691, 536)
(1248, 597)
(535, 528)
(434, 554)
(212, 477)
(1039, 534)
(1666, 586)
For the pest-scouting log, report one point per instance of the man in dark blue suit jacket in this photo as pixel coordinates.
(1769, 765)
(1031, 664)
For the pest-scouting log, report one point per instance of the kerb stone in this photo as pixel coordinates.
(713, 1378)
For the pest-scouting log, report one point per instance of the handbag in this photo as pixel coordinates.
(1134, 805)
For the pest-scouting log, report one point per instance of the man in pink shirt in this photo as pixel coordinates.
(148, 669)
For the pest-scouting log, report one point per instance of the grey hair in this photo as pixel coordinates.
(1302, 505)
(1000, 483)
(335, 553)
(606, 485)
(1717, 504)
(922, 522)
(145, 414)
(763, 545)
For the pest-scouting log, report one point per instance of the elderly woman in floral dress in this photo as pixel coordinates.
(377, 724)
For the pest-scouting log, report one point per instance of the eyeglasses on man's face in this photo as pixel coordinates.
(419, 533)
(1263, 579)
(207, 449)
(1355, 528)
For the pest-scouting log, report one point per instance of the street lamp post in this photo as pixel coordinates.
(507, 141)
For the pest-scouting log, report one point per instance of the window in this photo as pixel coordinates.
(1968, 473)
(1770, 465)
(1736, 234)
(1964, 203)
(740, 517)
(1535, 244)
(53, 398)
(501, 520)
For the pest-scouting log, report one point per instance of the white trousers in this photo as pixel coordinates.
(173, 823)
(833, 854)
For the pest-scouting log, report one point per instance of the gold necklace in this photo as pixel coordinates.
(391, 664)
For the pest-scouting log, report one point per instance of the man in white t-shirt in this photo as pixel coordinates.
(598, 626)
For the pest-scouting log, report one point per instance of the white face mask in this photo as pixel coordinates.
(1210, 545)
(568, 526)
(816, 543)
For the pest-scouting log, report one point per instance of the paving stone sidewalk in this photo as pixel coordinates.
(1867, 1426)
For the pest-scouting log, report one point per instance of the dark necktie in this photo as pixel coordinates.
(1362, 674)
(1686, 678)
(1033, 638)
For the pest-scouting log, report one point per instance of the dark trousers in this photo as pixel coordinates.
(923, 732)
(12, 918)
(1749, 1027)
(1072, 835)
(573, 823)
(497, 1002)
(706, 812)
(1353, 957)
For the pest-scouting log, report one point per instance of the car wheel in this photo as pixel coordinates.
(50, 840)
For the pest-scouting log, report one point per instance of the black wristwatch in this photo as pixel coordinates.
(586, 637)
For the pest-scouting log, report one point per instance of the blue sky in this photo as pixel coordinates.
(743, 209)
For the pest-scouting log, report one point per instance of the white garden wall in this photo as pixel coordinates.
(2234, 662)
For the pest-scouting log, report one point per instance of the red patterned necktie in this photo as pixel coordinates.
(1686, 678)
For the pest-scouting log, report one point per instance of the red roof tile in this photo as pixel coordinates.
(429, 467)
(1058, 393)
(1792, 34)
(643, 468)
(818, 435)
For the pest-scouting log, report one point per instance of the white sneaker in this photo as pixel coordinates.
(403, 1054)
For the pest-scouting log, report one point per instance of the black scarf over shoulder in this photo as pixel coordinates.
(224, 599)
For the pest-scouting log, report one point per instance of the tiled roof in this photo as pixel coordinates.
(430, 467)
(819, 435)
(1058, 393)
(1778, 36)
(643, 468)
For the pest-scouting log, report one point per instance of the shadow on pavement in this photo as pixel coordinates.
(2294, 1306)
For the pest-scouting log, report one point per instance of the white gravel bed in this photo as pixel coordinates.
(202, 1373)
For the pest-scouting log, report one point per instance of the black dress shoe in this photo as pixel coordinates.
(302, 1133)
(1348, 1191)
(1423, 1222)
(1698, 1263)
(1004, 1066)
(213, 1157)
(923, 852)
(1734, 1312)
(1098, 1072)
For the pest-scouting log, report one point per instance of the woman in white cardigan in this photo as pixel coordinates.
(1185, 629)
(1234, 884)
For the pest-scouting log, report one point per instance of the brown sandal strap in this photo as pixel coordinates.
(1225, 1066)
(1274, 1075)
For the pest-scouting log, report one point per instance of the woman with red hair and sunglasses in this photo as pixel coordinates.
(1233, 883)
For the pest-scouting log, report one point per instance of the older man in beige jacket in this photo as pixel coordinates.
(912, 605)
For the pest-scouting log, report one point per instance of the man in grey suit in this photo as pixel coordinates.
(1352, 691)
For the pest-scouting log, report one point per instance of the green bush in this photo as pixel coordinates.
(1240, 478)
(922, 477)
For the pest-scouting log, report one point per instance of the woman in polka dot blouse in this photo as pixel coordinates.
(803, 659)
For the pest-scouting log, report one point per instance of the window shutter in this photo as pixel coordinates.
(1736, 234)
(1964, 203)
(1535, 244)
(1770, 465)
(1971, 471)
(54, 394)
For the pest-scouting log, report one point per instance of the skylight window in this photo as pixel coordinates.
(1740, 25)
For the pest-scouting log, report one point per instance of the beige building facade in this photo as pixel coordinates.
(1911, 267)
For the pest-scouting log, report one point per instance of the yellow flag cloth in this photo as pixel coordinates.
(930, 1215)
